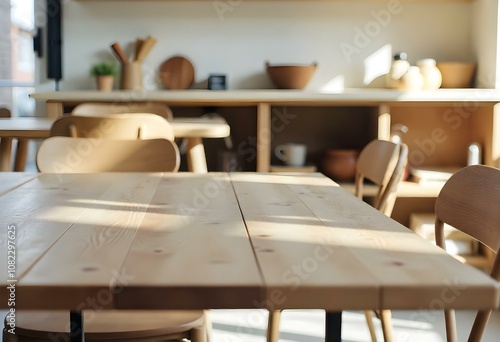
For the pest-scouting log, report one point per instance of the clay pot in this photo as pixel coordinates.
(340, 165)
(105, 82)
(290, 76)
(456, 74)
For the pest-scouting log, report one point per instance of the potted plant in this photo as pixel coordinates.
(105, 73)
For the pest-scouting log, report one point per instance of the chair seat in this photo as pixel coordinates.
(109, 324)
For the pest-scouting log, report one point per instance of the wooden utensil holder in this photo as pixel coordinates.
(131, 76)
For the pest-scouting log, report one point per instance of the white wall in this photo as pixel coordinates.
(240, 40)
(485, 33)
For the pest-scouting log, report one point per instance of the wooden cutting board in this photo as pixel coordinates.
(177, 73)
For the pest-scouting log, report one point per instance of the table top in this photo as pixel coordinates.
(36, 128)
(39, 128)
(218, 240)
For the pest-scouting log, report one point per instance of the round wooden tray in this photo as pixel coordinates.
(177, 73)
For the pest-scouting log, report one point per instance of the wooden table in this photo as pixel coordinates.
(217, 240)
(21, 129)
(193, 129)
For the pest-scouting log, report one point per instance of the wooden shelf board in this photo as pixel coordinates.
(284, 168)
(405, 189)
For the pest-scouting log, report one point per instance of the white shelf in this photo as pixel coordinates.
(360, 97)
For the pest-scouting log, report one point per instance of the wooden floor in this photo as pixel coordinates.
(308, 326)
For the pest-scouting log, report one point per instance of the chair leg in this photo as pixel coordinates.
(208, 325)
(451, 325)
(198, 334)
(386, 320)
(273, 326)
(371, 327)
(479, 325)
(21, 153)
(8, 337)
(5, 153)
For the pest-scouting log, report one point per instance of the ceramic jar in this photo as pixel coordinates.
(131, 76)
(399, 67)
(412, 80)
(430, 73)
(340, 165)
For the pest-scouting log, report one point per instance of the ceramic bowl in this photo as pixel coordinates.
(288, 76)
(340, 165)
(456, 74)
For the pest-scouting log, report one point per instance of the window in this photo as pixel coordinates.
(17, 59)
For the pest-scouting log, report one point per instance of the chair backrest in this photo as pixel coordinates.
(389, 196)
(115, 126)
(470, 201)
(96, 108)
(86, 155)
(377, 162)
(5, 112)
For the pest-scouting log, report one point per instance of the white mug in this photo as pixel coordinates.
(291, 154)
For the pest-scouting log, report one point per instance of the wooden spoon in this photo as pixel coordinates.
(119, 53)
(145, 48)
(138, 45)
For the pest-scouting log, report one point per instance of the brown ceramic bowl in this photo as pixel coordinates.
(290, 76)
(340, 165)
(456, 74)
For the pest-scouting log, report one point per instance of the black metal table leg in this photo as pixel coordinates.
(333, 331)
(76, 319)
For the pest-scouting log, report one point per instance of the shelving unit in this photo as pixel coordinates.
(441, 123)
(468, 250)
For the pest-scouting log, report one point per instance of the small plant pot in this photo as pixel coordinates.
(105, 82)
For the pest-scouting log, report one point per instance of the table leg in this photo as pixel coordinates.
(263, 137)
(5, 153)
(333, 331)
(54, 109)
(76, 319)
(196, 159)
(21, 153)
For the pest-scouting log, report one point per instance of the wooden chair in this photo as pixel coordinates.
(377, 162)
(111, 326)
(389, 197)
(96, 108)
(383, 163)
(96, 154)
(21, 148)
(116, 126)
(470, 201)
(86, 155)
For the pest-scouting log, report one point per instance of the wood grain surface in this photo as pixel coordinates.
(177, 73)
(243, 240)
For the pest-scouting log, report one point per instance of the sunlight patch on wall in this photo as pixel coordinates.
(335, 85)
(377, 65)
